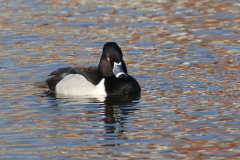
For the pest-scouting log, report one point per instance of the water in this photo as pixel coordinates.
(184, 54)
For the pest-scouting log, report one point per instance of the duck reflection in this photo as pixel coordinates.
(115, 109)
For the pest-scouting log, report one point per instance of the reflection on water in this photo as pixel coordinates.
(184, 54)
(116, 111)
(113, 111)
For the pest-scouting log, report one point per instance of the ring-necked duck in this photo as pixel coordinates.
(109, 78)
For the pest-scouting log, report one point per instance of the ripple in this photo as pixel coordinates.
(184, 55)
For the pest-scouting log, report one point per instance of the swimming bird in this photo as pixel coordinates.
(109, 78)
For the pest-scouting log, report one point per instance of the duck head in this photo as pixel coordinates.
(111, 63)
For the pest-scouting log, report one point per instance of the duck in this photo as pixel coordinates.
(110, 77)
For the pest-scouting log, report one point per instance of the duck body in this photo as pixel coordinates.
(109, 78)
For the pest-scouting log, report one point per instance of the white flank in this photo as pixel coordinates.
(75, 84)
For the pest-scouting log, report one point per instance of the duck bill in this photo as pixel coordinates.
(118, 71)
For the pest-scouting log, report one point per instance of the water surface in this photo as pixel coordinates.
(184, 54)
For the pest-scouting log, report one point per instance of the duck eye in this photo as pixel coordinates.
(108, 58)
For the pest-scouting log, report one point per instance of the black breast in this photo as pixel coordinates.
(122, 86)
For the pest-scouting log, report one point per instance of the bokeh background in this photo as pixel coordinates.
(184, 53)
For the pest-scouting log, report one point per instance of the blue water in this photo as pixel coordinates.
(185, 55)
